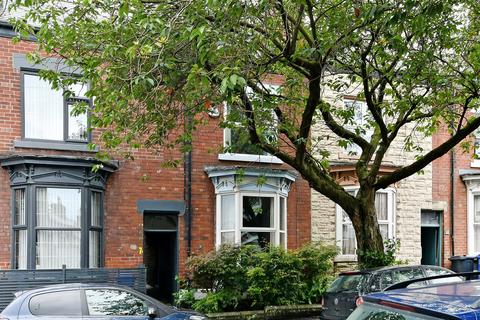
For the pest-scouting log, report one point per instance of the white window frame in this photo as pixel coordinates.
(238, 208)
(476, 149)
(352, 147)
(391, 220)
(245, 156)
(473, 189)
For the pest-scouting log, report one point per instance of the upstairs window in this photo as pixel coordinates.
(236, 140)
(359, 123)
(48, 112)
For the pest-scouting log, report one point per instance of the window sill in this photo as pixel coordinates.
(249, 158)
(53, 145)
(345, 258)
(475, 163)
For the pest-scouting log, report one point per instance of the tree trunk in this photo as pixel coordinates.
(370, 248)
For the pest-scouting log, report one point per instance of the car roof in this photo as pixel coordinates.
(74, 286)
(457, 298)
(382, 269)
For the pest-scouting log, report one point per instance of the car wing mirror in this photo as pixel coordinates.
(152, 312)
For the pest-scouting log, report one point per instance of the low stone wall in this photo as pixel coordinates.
(273, 312)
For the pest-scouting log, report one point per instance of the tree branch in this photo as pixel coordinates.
(385, 181)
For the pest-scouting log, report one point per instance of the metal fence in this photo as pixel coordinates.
(12, 281)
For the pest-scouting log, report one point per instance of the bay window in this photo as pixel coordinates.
(57, 212)
(57, 220)
(249, 212)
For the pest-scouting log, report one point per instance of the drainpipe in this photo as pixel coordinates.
(187, 181)
(452, 200)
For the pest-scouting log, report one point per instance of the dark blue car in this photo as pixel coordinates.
(90, 301)
(460, 300)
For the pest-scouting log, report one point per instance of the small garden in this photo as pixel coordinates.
(237, 278)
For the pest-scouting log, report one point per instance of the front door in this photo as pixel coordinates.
(160, 255)
(431, 238)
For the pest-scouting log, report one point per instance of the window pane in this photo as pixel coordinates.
(381, 205)
(228, 238)
(348, 239)
(77, 125)
(258, 212)
(228, 212)
(94, 249)
(62, 303)
(57, 248)
(476, 218)
(239, 142)
(261, 239)
(384, 231)
(20, 249)
(283, 208)
(476, 231)
(43, 109)
(282, 240)
(59, 208)
(96, 214)
(79, 89)
(20, 207)
(114, 302)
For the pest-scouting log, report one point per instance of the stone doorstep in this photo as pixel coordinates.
(271, 312)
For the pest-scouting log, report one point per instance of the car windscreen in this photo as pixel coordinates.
(347, 283)
(369, 311)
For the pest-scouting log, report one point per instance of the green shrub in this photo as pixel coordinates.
(246, 277)
(184, 298)
(373, 259)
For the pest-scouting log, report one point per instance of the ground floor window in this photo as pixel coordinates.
(384, 206)
(248, 218)
(57, 224)
(249, 211)
(475, 225)
(57, 211)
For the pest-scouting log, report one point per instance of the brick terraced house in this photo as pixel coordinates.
(55, 210)
(456, 186)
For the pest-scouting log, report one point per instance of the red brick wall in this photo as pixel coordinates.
(143, 178)
(441, 188)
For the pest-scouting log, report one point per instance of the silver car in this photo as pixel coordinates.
(90, 301)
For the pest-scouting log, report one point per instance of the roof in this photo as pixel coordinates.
(74, 286)
(458, 299)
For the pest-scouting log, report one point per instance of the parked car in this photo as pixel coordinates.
(340, 299)
(459, 300)
(90, 301)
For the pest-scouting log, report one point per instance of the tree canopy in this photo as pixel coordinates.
(415, 63)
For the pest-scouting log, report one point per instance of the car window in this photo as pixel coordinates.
(376, 283)
(347, 283)
(406, 274)
(433, 271)
(112, 302)
(60, 303)
(370, 311)
(387, 279)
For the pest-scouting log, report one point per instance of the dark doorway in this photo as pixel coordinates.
(160, 255)
(431, 238)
